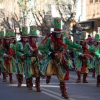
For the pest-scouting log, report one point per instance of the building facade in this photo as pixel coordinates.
(91, 22)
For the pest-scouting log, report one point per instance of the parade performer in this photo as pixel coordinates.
(32, 65)
(95, 50)
(8, 55)
(13, 49)
(96, 43)
(54, 48)
(20, 57)
(1, 56)
(72, 48)
(82, 60)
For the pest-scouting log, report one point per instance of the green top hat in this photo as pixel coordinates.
(33, 31)
(1, 34)
(24, 31)
(96, 38)
(57, 25)
(9, 33)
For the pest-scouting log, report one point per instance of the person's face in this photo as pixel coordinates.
(33, 39)
(25, 39)
(58, 35)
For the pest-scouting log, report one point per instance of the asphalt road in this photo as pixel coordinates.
(76, 91)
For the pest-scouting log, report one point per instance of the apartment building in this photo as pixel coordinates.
(91, 23)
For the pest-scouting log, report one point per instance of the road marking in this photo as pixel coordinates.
(57, 94)
(54, 94)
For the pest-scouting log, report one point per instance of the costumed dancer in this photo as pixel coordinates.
(82, 60)
(96, 43)
(54, 48)
(96, 59)
(72, 48)
(20, 57)
(13, 49)
(1, 56)
(8, 56)
(32, 59)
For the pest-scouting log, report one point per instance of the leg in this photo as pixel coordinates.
(97, 80)
(93, 72)
(84, 78)
(63, 90)
(62, 83)
(27, 82)
(10, 78)
(49, 72)
(38, 84)
(20, 79)
(30, 84)
(4, 76)
(79, 77)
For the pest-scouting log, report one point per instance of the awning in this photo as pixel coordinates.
(87, 24)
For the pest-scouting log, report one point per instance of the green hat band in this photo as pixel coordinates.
(33, 30)
(24, 30)
(9, 32)
(57, 23)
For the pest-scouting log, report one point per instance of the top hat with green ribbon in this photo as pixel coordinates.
(57, 25)
(1, 34)
(33, 31)
(24, 31)
(12, 34)
(8, 33)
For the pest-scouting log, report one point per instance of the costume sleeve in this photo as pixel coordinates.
(27, 50)
(72, 44)
(19, 49)
(45, 48)
(97, 51)
(91, 48)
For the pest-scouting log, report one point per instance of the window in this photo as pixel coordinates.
(96, 0)
(91, 1)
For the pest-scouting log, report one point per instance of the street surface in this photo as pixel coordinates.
(51, 91)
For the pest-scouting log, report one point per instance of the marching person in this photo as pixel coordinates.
(54, 48)
(20, 57)
(32, 65)
(82, 60)
(8, 56)
(95, 51)
(2, 70)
